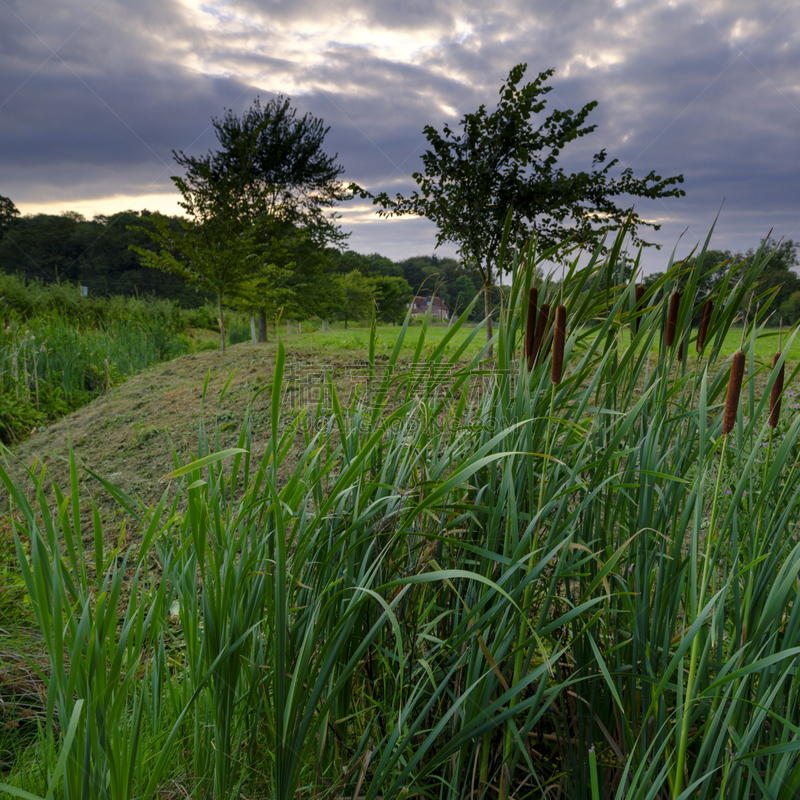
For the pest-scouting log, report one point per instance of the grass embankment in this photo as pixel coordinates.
(457, 584)
(58, 350)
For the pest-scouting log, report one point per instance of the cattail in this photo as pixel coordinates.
(775, 394)
(541, 323)
(530, 328)
(702, 330)
(545, 315)
(639, 296)
(672, 318)
(680, 351)
(734, 390)
(559, 334)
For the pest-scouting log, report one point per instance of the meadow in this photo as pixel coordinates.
(478, 577)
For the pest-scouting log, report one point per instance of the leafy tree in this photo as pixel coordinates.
(392, 296)
(43, 246)
(790, 309)
(274, 164)
(422, 269)
(8, 214)
(501, 161)
(371, 265)
(67, 247)
(218, 248)
(779, 275)
(107, 266)
(354, 295)
(460, 294)
(302, 286)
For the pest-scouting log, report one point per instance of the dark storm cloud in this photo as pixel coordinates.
(90, 101)
(710, 90)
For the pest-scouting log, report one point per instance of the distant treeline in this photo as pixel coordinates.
(96, 253)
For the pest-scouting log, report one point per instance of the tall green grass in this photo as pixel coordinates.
(49, 366)
(469, 582)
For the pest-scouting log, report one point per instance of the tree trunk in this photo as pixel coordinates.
(253, 330)
(221, 321)
(262, 325)
(288, 326)
(487, 307)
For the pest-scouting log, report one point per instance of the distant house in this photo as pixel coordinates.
(421, 305)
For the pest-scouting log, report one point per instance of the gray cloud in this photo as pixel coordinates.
(707, 89)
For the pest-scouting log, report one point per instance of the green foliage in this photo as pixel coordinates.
(14, 600)
(780, 275)
(274, 162)
(789, 309)
(92, 253)
(8, 214)
(272, 182)
(459, 583)
(59, 356)
(350, 297)
(500, 165)
(371, 266)
(34, 298)
(391, 297)
(779, 278)
(501, 161)
(219, 247)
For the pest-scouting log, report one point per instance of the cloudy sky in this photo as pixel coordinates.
(95, 95)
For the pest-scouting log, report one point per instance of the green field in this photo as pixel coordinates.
(357, 337)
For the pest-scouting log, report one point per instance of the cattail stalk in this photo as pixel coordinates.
(530, 327)
(548, 323)
(672, 318)
(541, 325)
(775, 394)
(705, 319)
(638, 307)
(559, 335)
(734, 391)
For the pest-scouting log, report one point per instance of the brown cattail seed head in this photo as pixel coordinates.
(639, 297)
(530, 328)
(559, 334)
(541, 322)
(545, 317)
(705, 318)
(775, 394)
(680, 351)
(734, 390)
(672, 318)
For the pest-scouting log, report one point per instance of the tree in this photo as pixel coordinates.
(392, 296)
(461, 293)
(43, 246)
(274, 163)
(790, 309)
(499, 162)
(8, 214)
(218, 247)
(355, 296)
(779, 275)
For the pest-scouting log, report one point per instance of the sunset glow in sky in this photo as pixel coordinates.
(95, 95)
